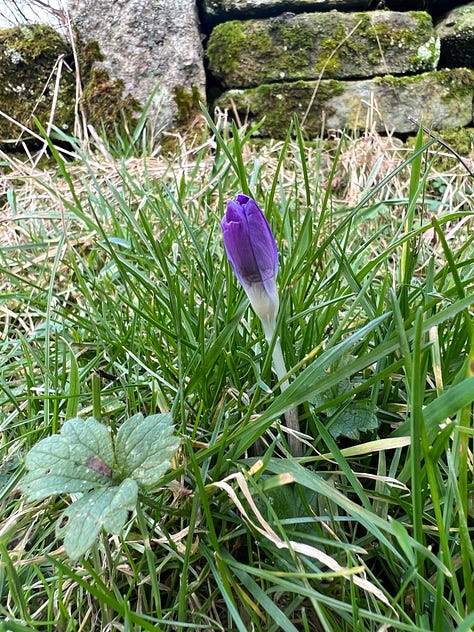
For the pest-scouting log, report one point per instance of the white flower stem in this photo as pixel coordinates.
(291, 416)
(279, 364)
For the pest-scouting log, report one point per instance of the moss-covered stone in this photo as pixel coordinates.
(335, 45)
(190, 124)
(28, 56)
(187, 103)
(105, 105)
(104, 102)
(29, 65)
(278, 103)
(454, 84)
(459, 140)
(89, 54)
(225, 44)
(442, 99)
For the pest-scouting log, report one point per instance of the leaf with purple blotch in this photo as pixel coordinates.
(79, 459)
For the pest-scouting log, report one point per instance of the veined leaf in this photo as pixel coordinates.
(106, 508)
(144, 447)
(350, 418)
(77, 460)
(83, 460)
(359, 416)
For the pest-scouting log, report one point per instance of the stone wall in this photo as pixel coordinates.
(154, 48)
(342, 63)
(36, 79)
(132, 55)
(336, 63)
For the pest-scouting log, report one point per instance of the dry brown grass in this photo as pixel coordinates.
(35, 212)
(32, 195)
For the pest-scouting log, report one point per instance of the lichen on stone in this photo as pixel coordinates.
(430, 50)
(29, 58)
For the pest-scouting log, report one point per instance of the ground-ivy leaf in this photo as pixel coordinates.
(106, 508)
(77, 460)
(359, 416)
(144, 447)
(344, 387)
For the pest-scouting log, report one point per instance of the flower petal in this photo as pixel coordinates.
(238, 245)
(252, 252)
(262, 241)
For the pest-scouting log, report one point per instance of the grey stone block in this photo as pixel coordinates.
(442, 99)
(329, 45)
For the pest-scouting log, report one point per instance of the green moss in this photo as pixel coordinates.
(103, 101)
(289, 47)
(293, 34)
(187, 103)
(372, 40)
(105, 105)
(466, 19)
(89, 54)
(28, 56)
(279, 102)
(458, 81)
(424, 19)
(337, 45)
(400, 82)
(225, 45)
(337, 49)
(19, 44)
(296, 41)
(377, 38)
(460, 140)
(189, 122)
(428, 53)
(233, 44)
(329, 60)
(246, 53)
(387, 37)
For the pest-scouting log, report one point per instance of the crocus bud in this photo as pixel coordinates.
(252, 252)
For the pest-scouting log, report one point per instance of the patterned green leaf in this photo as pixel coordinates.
(144, 447)
(83, 460)
(77, 460)
(359, 416)
(106, 508)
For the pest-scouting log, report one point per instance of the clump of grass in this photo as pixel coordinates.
(116, 299)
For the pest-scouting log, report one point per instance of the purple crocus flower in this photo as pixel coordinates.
(252, 252)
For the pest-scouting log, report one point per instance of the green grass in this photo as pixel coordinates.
(117, 299)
